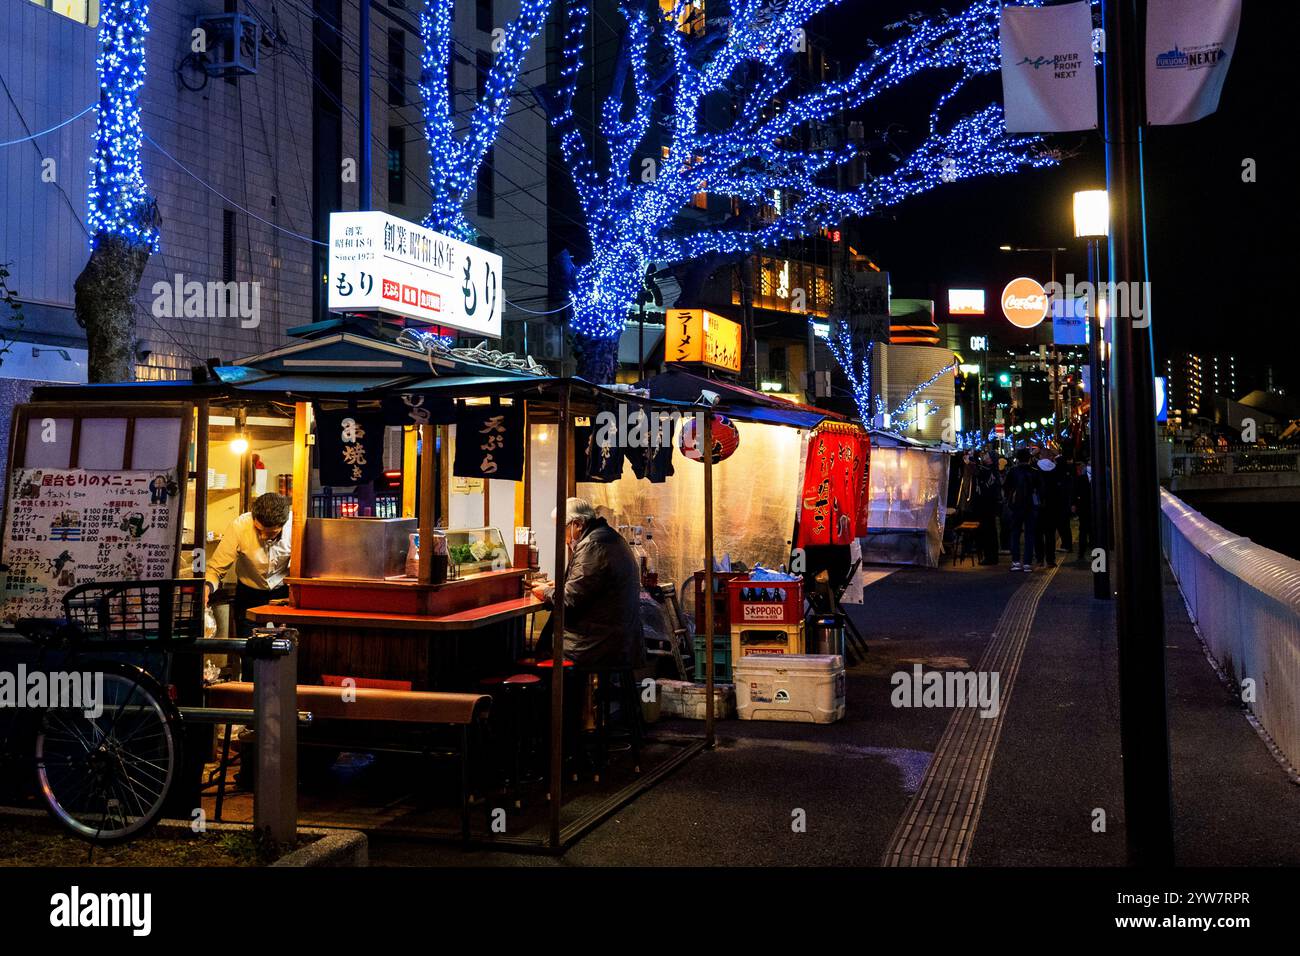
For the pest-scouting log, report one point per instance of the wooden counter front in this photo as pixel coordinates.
(474, 629)
(407, 595)
(480, 616)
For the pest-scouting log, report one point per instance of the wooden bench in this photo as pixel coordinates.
(424, 708)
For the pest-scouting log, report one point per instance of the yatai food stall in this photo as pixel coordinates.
(371, 429)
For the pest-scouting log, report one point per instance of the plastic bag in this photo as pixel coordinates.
(209, 624)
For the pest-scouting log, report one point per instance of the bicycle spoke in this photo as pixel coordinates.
(142, 813)
(144, 767)
(72, 729)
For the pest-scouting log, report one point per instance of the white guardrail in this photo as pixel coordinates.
(1245, 601)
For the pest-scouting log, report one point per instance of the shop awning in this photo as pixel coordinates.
(735, 400)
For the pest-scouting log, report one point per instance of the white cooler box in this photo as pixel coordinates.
(808, 688)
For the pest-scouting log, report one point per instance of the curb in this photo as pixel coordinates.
(330, 848)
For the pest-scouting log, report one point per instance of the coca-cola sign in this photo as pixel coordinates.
(1024, 302)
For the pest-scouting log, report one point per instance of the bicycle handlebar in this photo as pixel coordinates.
(264, 644)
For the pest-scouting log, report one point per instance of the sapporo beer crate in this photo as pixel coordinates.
(720, 581)
(764, 602)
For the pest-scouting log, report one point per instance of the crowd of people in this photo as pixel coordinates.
(1026, 505)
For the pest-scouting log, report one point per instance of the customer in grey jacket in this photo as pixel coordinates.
(602, 593)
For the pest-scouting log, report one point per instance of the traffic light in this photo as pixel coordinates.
(1004, 379)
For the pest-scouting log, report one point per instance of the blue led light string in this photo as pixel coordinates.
(118, 201)
(454, 161)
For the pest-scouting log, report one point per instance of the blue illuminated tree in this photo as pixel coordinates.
(459, 147)
(123, 217)
(761, 160)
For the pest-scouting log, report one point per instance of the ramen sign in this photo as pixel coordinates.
(1024, 302)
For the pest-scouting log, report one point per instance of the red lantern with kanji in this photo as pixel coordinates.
(726, 438)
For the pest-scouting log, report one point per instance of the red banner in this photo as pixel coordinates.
(833, 509)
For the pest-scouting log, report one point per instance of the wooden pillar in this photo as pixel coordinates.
(524, 495)
(428, 498)
(442, 478)
(410, 460)
(301, 484)
(202, 415)
(557, 629)
(706, 445)
(245, 461)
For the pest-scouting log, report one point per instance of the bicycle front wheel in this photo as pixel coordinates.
(106, 775)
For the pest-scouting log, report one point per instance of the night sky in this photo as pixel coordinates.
(1217, 245)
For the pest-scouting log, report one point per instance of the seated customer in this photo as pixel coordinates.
(602, 593)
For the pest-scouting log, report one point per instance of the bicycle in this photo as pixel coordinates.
(106, 776)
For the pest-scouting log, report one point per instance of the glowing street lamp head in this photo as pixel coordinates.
(1091, 214)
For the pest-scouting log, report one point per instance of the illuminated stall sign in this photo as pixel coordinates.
(698, 335)
(379, 263)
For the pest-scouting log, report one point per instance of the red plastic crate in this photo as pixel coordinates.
(720, 579)
(763, 606)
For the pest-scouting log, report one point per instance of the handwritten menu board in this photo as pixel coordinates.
(68, 526)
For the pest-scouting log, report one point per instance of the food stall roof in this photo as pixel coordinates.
(735, 400)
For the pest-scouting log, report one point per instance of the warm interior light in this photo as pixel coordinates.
(239, 445)
(1091, 214)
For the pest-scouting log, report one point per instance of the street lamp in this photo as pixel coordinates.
(1091, 214)
(1092, 222)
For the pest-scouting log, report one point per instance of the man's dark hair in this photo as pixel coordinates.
(1022, 456)
(271, 510)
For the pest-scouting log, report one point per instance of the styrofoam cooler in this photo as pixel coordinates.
(806, 688)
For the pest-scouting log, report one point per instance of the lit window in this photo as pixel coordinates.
(82, 11)
(690, 19)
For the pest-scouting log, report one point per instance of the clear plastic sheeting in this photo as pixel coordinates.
(905, 513)
(755, 493)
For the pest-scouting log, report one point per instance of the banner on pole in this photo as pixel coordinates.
(1189, 45)
(1070, 321)
(1049, 82)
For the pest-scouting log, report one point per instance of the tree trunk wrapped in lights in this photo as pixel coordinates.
(633, 218)
(123, 217)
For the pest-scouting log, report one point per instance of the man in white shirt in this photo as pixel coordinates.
(257, 544)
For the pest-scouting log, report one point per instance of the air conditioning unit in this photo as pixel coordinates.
(232, 42)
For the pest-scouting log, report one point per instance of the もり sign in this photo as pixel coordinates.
(380, 263)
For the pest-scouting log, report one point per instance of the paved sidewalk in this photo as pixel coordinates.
(1055, 761)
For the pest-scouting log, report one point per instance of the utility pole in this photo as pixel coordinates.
(1144, 731)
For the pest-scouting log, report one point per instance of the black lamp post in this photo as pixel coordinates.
(1140, 615)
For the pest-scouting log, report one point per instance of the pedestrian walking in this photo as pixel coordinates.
(1023, 492)
(986, 506)
(1082, 503)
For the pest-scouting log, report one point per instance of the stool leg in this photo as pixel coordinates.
(516, 745)
(632, 704)
(464, 782)
(221, 773)
(602, 726)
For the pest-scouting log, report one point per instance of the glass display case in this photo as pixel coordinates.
(470, 550)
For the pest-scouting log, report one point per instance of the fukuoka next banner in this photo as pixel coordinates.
(378, 262)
